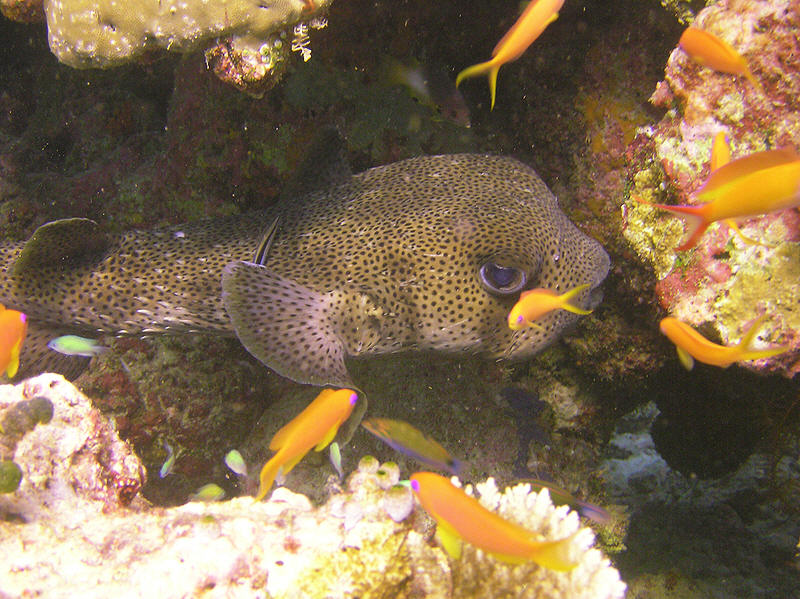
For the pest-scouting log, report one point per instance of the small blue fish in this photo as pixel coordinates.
(336, 459)
(235, 461)
(169, 463)
(73, 345)
(406, 439)
(525, 409)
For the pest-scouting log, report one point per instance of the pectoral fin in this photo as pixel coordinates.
(328, 437)
(449, 540)
(686, 360)
(287, 326)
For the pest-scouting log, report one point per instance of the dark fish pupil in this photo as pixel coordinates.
(502, 276)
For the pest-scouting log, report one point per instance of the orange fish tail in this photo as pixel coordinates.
(750, 353)
(569, 295)
(760, 354)
(489, 68)
(554, 554)
(695, 219)
(268, 474)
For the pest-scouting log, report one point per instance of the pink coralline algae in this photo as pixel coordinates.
(723, 280)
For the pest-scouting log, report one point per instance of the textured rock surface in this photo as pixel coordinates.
(724, 281)
(73, 466)
(66, 530)
(753, 506)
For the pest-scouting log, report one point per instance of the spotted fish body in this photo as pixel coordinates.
(382, 261)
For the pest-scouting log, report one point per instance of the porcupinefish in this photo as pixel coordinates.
(427, 253)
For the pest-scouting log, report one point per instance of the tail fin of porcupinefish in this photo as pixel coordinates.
(69, 240)
(285, 325)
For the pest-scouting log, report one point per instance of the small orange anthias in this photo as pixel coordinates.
(692, 346)
(710, 51)
(756, 184)
(315, 426)
(461, 517)
(13, 326)
(530, 25)
(535, 303)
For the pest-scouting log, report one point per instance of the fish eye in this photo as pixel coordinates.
(502, 280)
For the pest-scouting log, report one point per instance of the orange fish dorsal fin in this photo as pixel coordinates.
(538, 292)
(283, 434)
(746, 165)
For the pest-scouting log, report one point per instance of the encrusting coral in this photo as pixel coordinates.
(59, 540)
(723, 280)
(104, 33)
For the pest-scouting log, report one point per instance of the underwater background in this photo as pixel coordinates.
(698, 469)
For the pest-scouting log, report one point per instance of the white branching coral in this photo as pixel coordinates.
(478, 575)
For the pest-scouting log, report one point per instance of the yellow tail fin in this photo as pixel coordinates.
(489, 68)
(555, 554)
(569, 295)
(268, 474)
(747, 353)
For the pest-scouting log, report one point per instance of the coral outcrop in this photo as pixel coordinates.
(248, 42)
(724, 281)
(71, 459)
(68, 528)
(102, 33)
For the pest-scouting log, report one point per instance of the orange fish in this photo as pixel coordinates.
(530, 25)
(315, 426)
(757, 184)
(13, 326)
(535, 303)
(710, 51)
(461, 517)
(720, 156)
(692, 346)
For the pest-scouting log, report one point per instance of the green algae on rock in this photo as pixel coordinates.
(10, 476)
(21, 417)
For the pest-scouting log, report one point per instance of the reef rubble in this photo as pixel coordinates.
(71, 526)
